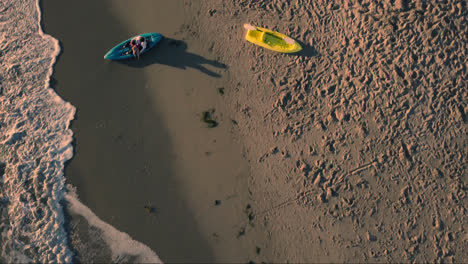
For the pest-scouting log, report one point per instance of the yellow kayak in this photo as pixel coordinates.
(271, 39)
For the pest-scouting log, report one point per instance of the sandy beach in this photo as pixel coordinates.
(353, 150)
(357, 145)
(139, 138)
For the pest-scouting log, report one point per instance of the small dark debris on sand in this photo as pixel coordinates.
(257, 250)
(151, 209)
(211, 12)
(221, 90)
(207, 118)
(217, 202)
(241, 232)
(251, 216)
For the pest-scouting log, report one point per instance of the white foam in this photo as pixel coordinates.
(35, 141)
(120, 243)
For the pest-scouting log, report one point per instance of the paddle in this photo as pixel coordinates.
(250, 27)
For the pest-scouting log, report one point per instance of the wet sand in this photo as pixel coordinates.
(139, 139)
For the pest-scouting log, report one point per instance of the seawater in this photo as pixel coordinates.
(35, 142)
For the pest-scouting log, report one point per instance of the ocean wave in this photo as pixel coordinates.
(35, 142)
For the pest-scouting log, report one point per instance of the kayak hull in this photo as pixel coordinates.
(119, 51)
(271, 40)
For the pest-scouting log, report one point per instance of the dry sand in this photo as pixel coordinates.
(356, 146)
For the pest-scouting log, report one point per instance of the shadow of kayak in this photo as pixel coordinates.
(172, 52)
(307, 51)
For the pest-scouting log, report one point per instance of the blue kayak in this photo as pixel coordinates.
(123, 50)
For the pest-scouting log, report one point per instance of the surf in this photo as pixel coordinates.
(35, 143)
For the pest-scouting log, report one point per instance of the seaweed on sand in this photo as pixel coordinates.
(207, 118)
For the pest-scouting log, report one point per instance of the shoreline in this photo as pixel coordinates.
(325, 155)
(119, 185)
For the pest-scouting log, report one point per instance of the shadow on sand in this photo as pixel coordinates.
(174, 53)
(307, 51)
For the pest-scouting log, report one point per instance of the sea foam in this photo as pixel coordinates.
(35, 142)
(122, 247)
